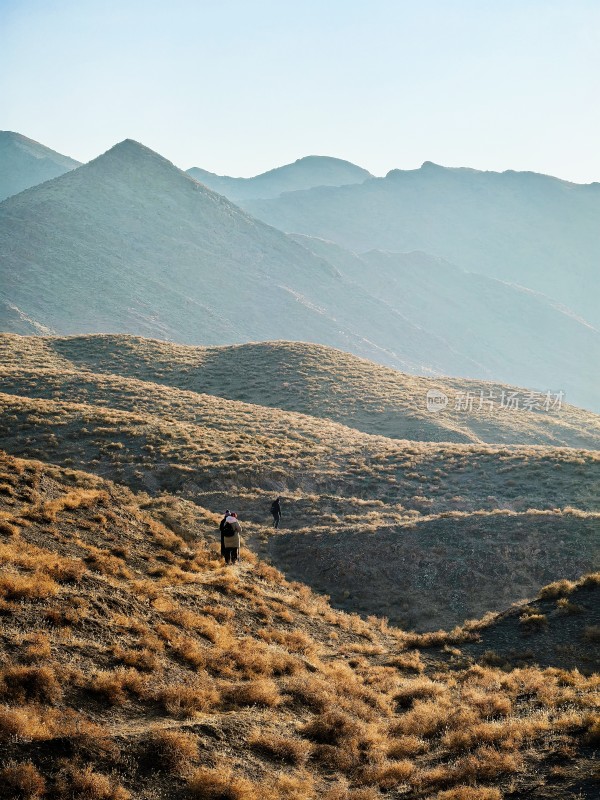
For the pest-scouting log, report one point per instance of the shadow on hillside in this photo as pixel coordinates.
(437, 573)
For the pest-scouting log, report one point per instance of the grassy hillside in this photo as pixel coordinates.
(529, 229)
(352, 497)
(310, 379)
(305, 173)
(25, 163)
(560, 628)
(134, 665)
(465, 564)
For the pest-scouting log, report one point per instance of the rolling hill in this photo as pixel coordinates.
(305, 173)
(310, 379)
(346, 492)
(25, 163)
(134, 665)
(520, 227)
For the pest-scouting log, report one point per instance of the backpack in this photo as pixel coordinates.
(228, 529)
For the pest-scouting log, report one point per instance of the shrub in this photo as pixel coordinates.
(489, 705)
(592, 729)
(36, 647)
(406, 746)
(7, 528)
(409, 661)
(75, 783)
(67, 570)
(426, 719)
(22, 684)
(280, 748)
(588, 581)
(106, 564)
(172, 751)
(592, 633)
(565, 606)
(262, 692)
(113, 687)
(388, 774)
(293, 641)
(418, 689)
(341, 791)
(21, 782)
(469, 793)
(184, 700)
(332, 728)
(222, 784)
(487, 763)
(557, 589)
(16, 723)
(144, 660)
(189, 651)
(308, 692)
(532, 621)
(27, 587)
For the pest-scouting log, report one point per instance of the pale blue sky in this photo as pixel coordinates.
(240, 86)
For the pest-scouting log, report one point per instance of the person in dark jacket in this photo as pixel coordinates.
(231, 538)
(222, 531)
(276, 511)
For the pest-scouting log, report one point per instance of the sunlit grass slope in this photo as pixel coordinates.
(319, 381)
(134, 665)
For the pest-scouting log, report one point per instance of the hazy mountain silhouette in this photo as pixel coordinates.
(305, 173)
(129, 243)
(515, 334)
(25, 163)
(521, 227)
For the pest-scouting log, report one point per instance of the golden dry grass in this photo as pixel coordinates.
(307, 378)
(129, 646)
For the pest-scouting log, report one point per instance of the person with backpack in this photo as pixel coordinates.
(276, 511)
(221, 529)
(231, 538)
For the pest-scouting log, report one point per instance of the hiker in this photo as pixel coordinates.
(276, 511)
(231, 539)
(221, 529)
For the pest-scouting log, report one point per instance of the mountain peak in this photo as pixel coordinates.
(137, 163)
(11, 140)
(129, 149)
(307, 172)
(25, 163)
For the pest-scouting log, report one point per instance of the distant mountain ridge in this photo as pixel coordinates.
(477, 315)
(25, 163)
(305, 173)
(521, 227)
(130, 244)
